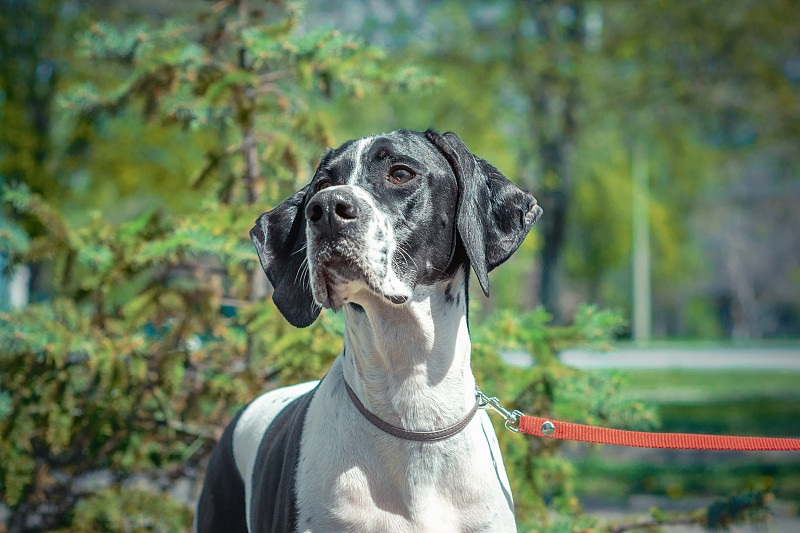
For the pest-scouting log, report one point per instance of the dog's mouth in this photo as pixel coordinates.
(324, 291)
(328, 276)
(338, 275)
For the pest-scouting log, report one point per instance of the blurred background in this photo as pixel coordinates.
(139, 140)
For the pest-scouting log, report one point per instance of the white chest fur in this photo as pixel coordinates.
(354, 478)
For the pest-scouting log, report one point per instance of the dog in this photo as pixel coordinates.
(389, 439)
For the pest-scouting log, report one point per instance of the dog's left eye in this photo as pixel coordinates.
(323, 184)
(400, 175)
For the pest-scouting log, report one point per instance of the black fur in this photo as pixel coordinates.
(280, 239)
(221, 505)
(493, 215)
(274, 504)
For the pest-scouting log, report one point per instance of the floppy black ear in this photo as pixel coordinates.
(280, 239)
(493, 215)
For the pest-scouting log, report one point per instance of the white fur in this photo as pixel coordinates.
(380, 233)
(409, 364)
(252, 425)
(361, 144)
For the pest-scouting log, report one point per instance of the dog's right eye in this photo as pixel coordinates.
(400, 175)
(323, 184)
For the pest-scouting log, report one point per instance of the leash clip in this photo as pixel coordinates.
(512, 417)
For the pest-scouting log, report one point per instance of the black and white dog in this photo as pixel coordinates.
(386, 442)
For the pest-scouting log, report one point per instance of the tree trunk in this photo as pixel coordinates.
(553, 96)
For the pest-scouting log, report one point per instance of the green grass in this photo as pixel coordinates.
(730, 402)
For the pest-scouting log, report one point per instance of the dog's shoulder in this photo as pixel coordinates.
(247, 446)
(256, 418)
(272, 500)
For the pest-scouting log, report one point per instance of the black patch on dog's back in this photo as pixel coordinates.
(274, 501)
(221, 506)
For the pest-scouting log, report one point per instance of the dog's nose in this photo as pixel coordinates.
(332, 209)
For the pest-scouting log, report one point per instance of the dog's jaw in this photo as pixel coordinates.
(333, 283)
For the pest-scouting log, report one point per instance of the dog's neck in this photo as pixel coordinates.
(410, 364)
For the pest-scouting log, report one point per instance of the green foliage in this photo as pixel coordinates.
(731, 402)
(702, 320)
(13, 239)
(249, 79)
(722, 514)
(718, 516)
(584, 82)
(124, 509)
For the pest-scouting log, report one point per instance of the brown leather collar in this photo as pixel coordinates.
(400, 433)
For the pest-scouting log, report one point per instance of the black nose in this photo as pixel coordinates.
(332, 210)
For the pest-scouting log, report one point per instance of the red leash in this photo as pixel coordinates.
(553, 429)
(543, 427)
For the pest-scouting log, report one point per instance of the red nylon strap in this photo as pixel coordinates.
(532, 425)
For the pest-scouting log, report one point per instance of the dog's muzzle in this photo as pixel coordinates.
(337, 227)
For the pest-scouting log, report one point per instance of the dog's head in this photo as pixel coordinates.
(385, 214)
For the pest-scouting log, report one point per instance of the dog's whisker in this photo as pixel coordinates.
(299, 272)
(305, 274)
(407, 255)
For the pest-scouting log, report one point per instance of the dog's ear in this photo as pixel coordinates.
(493, 215)
(280, 239)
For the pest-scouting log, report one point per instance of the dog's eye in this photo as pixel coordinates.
(400, 175)
(323, 184)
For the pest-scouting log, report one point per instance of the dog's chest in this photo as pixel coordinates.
(370, 497)
(351, 481)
